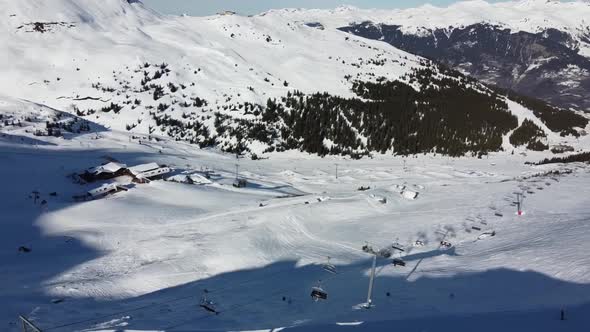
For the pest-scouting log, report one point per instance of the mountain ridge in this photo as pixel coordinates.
(529, 16)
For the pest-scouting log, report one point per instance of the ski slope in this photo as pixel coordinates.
(140, 260)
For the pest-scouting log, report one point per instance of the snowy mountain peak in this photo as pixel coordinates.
(526, 15)
(346, 8)
(97, 14)
(538, 2)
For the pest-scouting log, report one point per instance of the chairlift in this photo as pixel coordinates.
(318, 293)
(368, 249)
(397, 246)
(329, 267)
(398, 261)
(385, 253)
(207, 304)
(445, 244)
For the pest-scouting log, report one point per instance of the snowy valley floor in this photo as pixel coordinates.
(140, 260)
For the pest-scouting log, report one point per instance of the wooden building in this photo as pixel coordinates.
(107, 171)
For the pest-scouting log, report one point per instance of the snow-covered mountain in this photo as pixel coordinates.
(539, 48)
(531, 16)
(247, 83)
(112, 218)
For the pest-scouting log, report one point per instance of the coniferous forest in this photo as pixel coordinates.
(529, 134)
(431, 110)
(555, 118)
(443, 117)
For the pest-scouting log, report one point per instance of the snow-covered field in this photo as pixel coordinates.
(140, 259)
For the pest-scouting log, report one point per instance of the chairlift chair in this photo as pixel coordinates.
(329, 267)
(318, 293)
(445, 244)
(368, 249)
(398, 261)
(208, 305)
(385, 253)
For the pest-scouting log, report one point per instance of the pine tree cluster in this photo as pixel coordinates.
(555, 118)
(574, 158)
(445, 116)
(530, 134)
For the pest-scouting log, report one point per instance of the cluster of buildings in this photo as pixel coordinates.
(119, 177)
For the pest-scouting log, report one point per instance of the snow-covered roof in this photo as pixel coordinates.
(199, 179)
(138, 169)
(111, 167)
(154, 172)
(196, 178)
(105, 188)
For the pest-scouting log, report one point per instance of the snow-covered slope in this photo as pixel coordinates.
(224, 60)
(125, 67)
(105, 15)
(537, 48)
(140, 259)
(274, 48)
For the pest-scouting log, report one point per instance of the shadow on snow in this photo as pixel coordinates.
(273, 296)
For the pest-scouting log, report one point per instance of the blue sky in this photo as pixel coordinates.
(208, 7)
